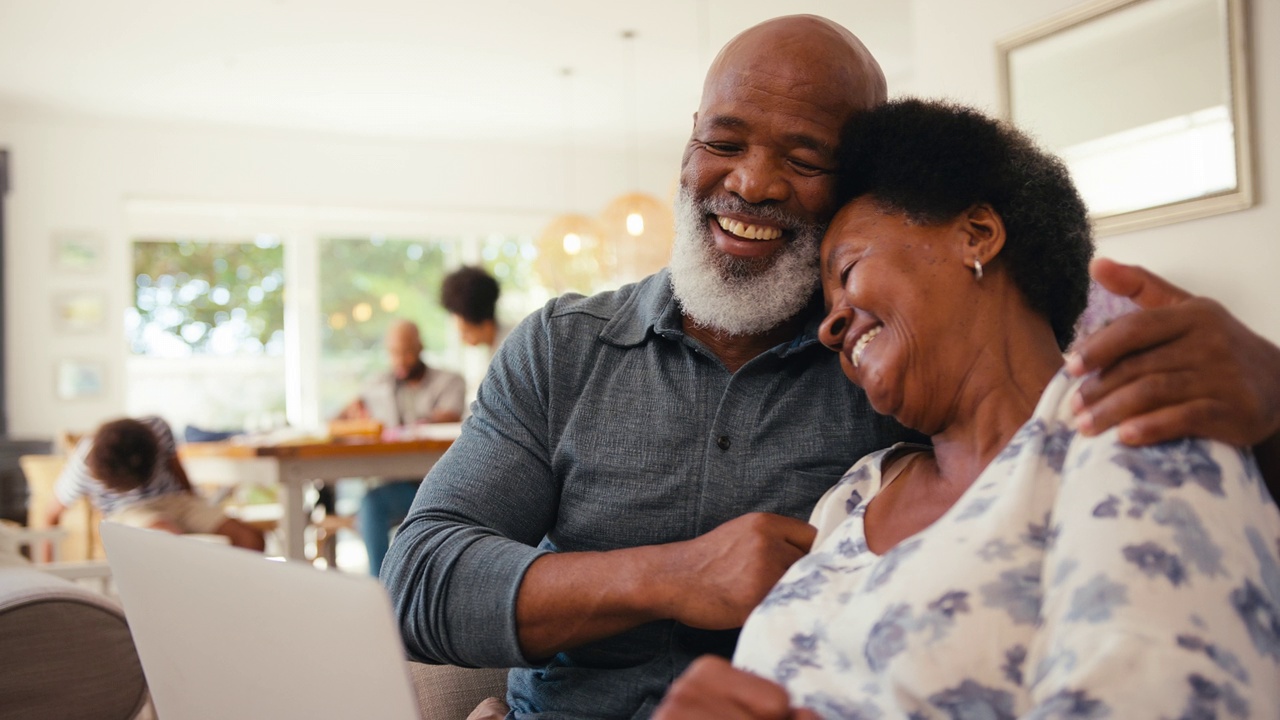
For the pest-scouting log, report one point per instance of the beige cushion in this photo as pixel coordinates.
(67, 652)
(446, 692)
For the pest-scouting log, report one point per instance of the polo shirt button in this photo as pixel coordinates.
(723, 442)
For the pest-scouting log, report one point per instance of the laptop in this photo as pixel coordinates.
(225, 633)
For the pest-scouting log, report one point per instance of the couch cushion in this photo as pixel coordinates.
(446, 692)
(67, 651)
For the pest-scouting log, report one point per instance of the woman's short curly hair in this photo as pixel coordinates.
(932, 160)
(123, 455)
(470, 293)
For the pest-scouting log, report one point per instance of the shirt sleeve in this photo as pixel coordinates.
(453, 394)
(1160, 572)
(455, 566)
(74, 480)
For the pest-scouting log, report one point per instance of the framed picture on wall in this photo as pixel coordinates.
(78, 251)
(79, 312)
(78, 379)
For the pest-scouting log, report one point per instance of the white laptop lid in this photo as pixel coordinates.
(224, 633)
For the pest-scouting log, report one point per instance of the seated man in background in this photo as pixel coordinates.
(130, 471)
(407, 394)
(471, 296)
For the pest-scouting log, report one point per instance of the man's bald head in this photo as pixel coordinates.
(810, 50)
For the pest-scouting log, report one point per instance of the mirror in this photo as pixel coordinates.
(1145, 100)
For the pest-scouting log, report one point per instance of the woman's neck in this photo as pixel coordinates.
(998, 395)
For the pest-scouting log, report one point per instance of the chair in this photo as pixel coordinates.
(446, 692)
(80, 521)
(67, 651)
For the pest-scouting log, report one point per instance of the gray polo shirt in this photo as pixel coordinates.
(599, 426)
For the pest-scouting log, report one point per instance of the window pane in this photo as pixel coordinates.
(207, 316)
(365, 284)
(207, 298)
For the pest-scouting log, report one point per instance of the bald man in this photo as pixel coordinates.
(631, 480)
(407, 394)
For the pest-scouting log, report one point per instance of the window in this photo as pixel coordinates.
(207, 316)
(365, 285)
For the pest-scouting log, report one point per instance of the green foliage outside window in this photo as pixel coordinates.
(214, 298)
(365, 284)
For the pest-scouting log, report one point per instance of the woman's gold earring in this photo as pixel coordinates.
(977, 269)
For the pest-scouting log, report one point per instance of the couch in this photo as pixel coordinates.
(446, 692)
(65, 651)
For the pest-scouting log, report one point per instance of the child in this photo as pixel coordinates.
(129, 470)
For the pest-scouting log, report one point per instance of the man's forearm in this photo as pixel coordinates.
(571, 599)
(711, 582)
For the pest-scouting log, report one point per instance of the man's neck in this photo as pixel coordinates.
(736, 350)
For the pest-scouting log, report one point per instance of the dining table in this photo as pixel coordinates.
(294, 465)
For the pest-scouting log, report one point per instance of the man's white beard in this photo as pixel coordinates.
(740, 296)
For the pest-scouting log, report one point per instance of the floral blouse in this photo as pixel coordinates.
(1076, 578)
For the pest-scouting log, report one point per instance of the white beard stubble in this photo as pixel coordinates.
(737, 296)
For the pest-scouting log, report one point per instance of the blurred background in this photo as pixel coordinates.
(214, 209)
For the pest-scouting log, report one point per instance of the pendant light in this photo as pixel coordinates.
(638, 227)
(570, 250)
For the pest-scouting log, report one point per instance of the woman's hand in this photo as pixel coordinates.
(1182, 366)
(712, 688)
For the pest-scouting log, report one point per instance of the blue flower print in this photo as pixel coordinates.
(803, 652)
(858, 474)
(1014, 658)
(1108, 508)
(890, 562)
(1190, 536)
(1054, 450)
(1070, 705)
(1027, 433)
(1154, 560)
(1065, 568)
(851, 548)
(829, 706)
(970, 700)
(855, 499)
(1017, 592)
(1268, 563)
(1173, 463)
(1040, 536)
(888, 637)
(941, 614)
(1224, 659)
(975, 508)
(996, 549)
(1141, 498)
(805, 587)
(1260, 617)
(1207, 695)
(1094, 601)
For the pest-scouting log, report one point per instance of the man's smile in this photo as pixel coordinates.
(746, 239)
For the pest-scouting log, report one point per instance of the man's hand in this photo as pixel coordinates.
(712, 688)
(717, 579)
(710, 582)
(1181, 366)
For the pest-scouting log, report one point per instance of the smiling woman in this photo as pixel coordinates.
(1017, 566)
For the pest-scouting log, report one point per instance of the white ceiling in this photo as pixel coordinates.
(469, 69)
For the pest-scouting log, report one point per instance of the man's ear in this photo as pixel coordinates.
(984, 234)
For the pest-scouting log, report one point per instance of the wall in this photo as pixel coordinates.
(71, 172)
(1234, 258)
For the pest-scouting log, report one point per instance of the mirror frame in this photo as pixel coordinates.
(1238, 66)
